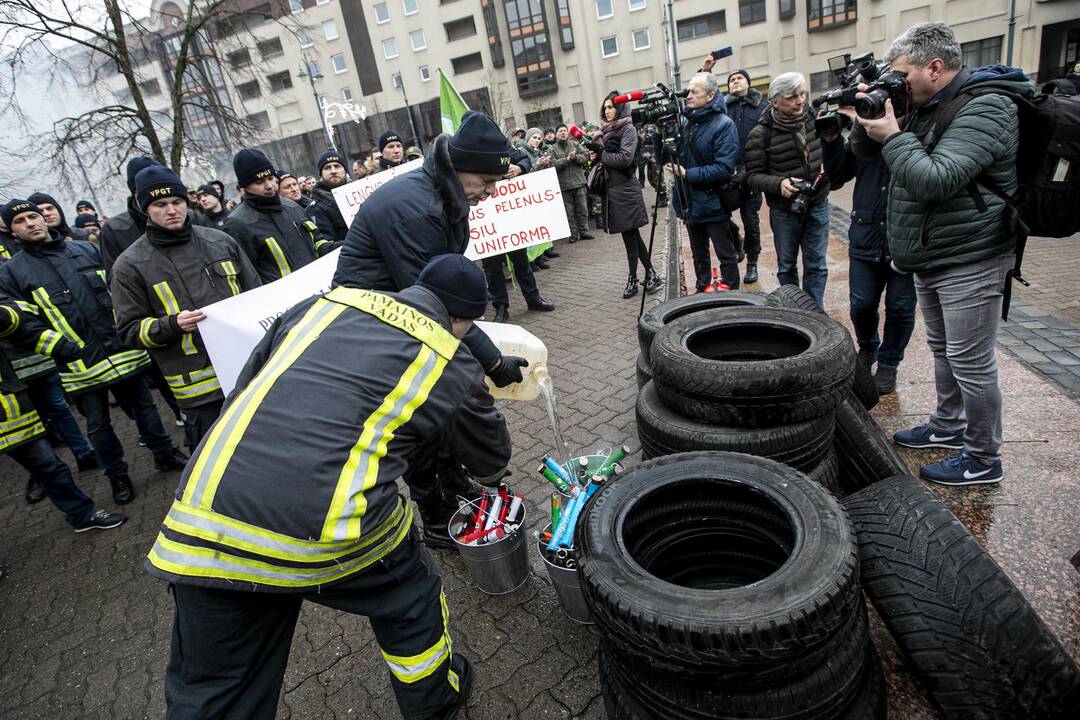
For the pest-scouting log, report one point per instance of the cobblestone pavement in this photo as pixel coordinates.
(84, 631)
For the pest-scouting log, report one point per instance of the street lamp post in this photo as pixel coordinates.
(408, 110)
(312, 73)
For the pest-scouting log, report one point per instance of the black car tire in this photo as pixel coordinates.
(655, 318)
(866, 455)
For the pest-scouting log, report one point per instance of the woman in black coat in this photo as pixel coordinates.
(623, 208)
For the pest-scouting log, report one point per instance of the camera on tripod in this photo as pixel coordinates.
(883, 84)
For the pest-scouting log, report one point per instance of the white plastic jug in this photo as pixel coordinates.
(516, 340)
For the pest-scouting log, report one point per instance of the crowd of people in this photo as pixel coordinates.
(107, 310)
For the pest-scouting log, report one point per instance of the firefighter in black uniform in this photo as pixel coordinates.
(274, 231)
(22, 434)
(63, 282)
(323, 209)
(55, 219)
(159, 283)
(397, 230)
(213, 206)
(265, 518)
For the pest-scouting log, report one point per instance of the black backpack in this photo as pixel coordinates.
(1047, 198)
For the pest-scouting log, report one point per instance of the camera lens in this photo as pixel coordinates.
(872, 104)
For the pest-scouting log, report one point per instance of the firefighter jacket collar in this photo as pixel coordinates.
(438, 165)
(263, 204)
(163, 237)
(54, 244)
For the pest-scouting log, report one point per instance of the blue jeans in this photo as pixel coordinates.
(809, 231)
(39, 459)
(48, 397)
(867, 280)
(134, 397)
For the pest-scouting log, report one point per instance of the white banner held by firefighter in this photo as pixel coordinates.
(526, 210)
(233, 327)
(351, 196)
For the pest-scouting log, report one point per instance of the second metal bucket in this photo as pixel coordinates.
(568, 588)
(500, 567)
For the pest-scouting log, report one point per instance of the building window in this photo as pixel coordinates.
(249, 90)
(337, 60)
(389, 48)
(787, 9)
(702, 25)
(636, 5)
(416, 39)
(411, 6)
(609, 46)
(321, 2)
(566, 28)
(239, 58)
(329, 29)
(604, 9)
(425, 73)
(259, 121)
(305, 38)
(296, 6)
(751, 11)
(530, 46)
(642, 41)
(150, 87)
(270, 48)
(346, 94)
(460, 28)
(981, 52)
(825, 14)
(279, 81)
(382, 13)
(467, 63)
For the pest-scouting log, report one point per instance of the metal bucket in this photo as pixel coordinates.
(500, 567)
(568, 588)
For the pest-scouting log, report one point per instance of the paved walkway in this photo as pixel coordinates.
(84, 631)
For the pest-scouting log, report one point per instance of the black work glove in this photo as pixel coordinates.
(66, 350)
(612, 145)
(593, 145)
(508, 371)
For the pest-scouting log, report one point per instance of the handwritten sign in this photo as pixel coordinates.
(526, 210)
(351, 196)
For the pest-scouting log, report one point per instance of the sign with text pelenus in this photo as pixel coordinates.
(351, 196)
(526, 210)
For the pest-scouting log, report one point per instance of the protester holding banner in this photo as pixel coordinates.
(402, 226)
(274, 232)
(322, 209)
(160, 282)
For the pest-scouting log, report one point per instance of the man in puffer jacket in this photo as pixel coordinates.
(947, 226)
(781, 152)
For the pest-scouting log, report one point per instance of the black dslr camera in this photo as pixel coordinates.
(884, 84)
(806, 190)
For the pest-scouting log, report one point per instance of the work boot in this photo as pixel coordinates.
(631, 287)
(123, 491)
(502, 314)
(541, 305)
(573, 239)
(35, 491)
(587, 236)
(541, 262)
(652, 281)
(751, 273)
(88, 461)
(551, 253)
(461, 667)
(171, 459)
(885, 379)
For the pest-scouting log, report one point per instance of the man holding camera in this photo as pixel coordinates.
(783, 160)
(707, 158)
(947, 225)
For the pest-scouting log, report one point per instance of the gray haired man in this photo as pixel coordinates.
(945, 225)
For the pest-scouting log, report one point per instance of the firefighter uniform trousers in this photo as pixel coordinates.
(230, 647)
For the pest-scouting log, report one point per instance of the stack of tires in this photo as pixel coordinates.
(747, 376)
(727, 586)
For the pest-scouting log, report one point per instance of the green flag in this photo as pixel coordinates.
(451, 105)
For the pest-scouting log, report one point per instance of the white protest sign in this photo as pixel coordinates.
(233, 327)
(526, 210)
(351, 196)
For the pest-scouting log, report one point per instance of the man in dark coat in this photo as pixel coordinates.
(707, 159)
(213, 206)
(54, 217)
(323, 209)
(744, 107)
(402, 226)
(391, 150)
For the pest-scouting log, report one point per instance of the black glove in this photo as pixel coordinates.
(612, 145)
(593, 145)
(508, 371)
(66, 350)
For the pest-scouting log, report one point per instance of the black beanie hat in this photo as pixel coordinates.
(84, 204)
(135, 166)
(559, 126)
(385, 139)
(479, 146)
(282, 174)
(84, 219)
(209, 189)
(16, 207)
(458, 283)
(549, 130)
(251, 165)
(157, 182)
(740, 71)
(328, 157)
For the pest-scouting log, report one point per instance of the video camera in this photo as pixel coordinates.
(883, 84)
(659, 104)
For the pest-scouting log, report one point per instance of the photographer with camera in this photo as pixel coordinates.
(783, 160)
(948, 225)
(706, 159)
(870, 271)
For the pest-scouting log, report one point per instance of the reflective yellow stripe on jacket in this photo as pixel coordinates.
(168, 301)
(55, 317)
(17, 426)
(230, 275)
(77, 376)
(194, 384)
(278, 255)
